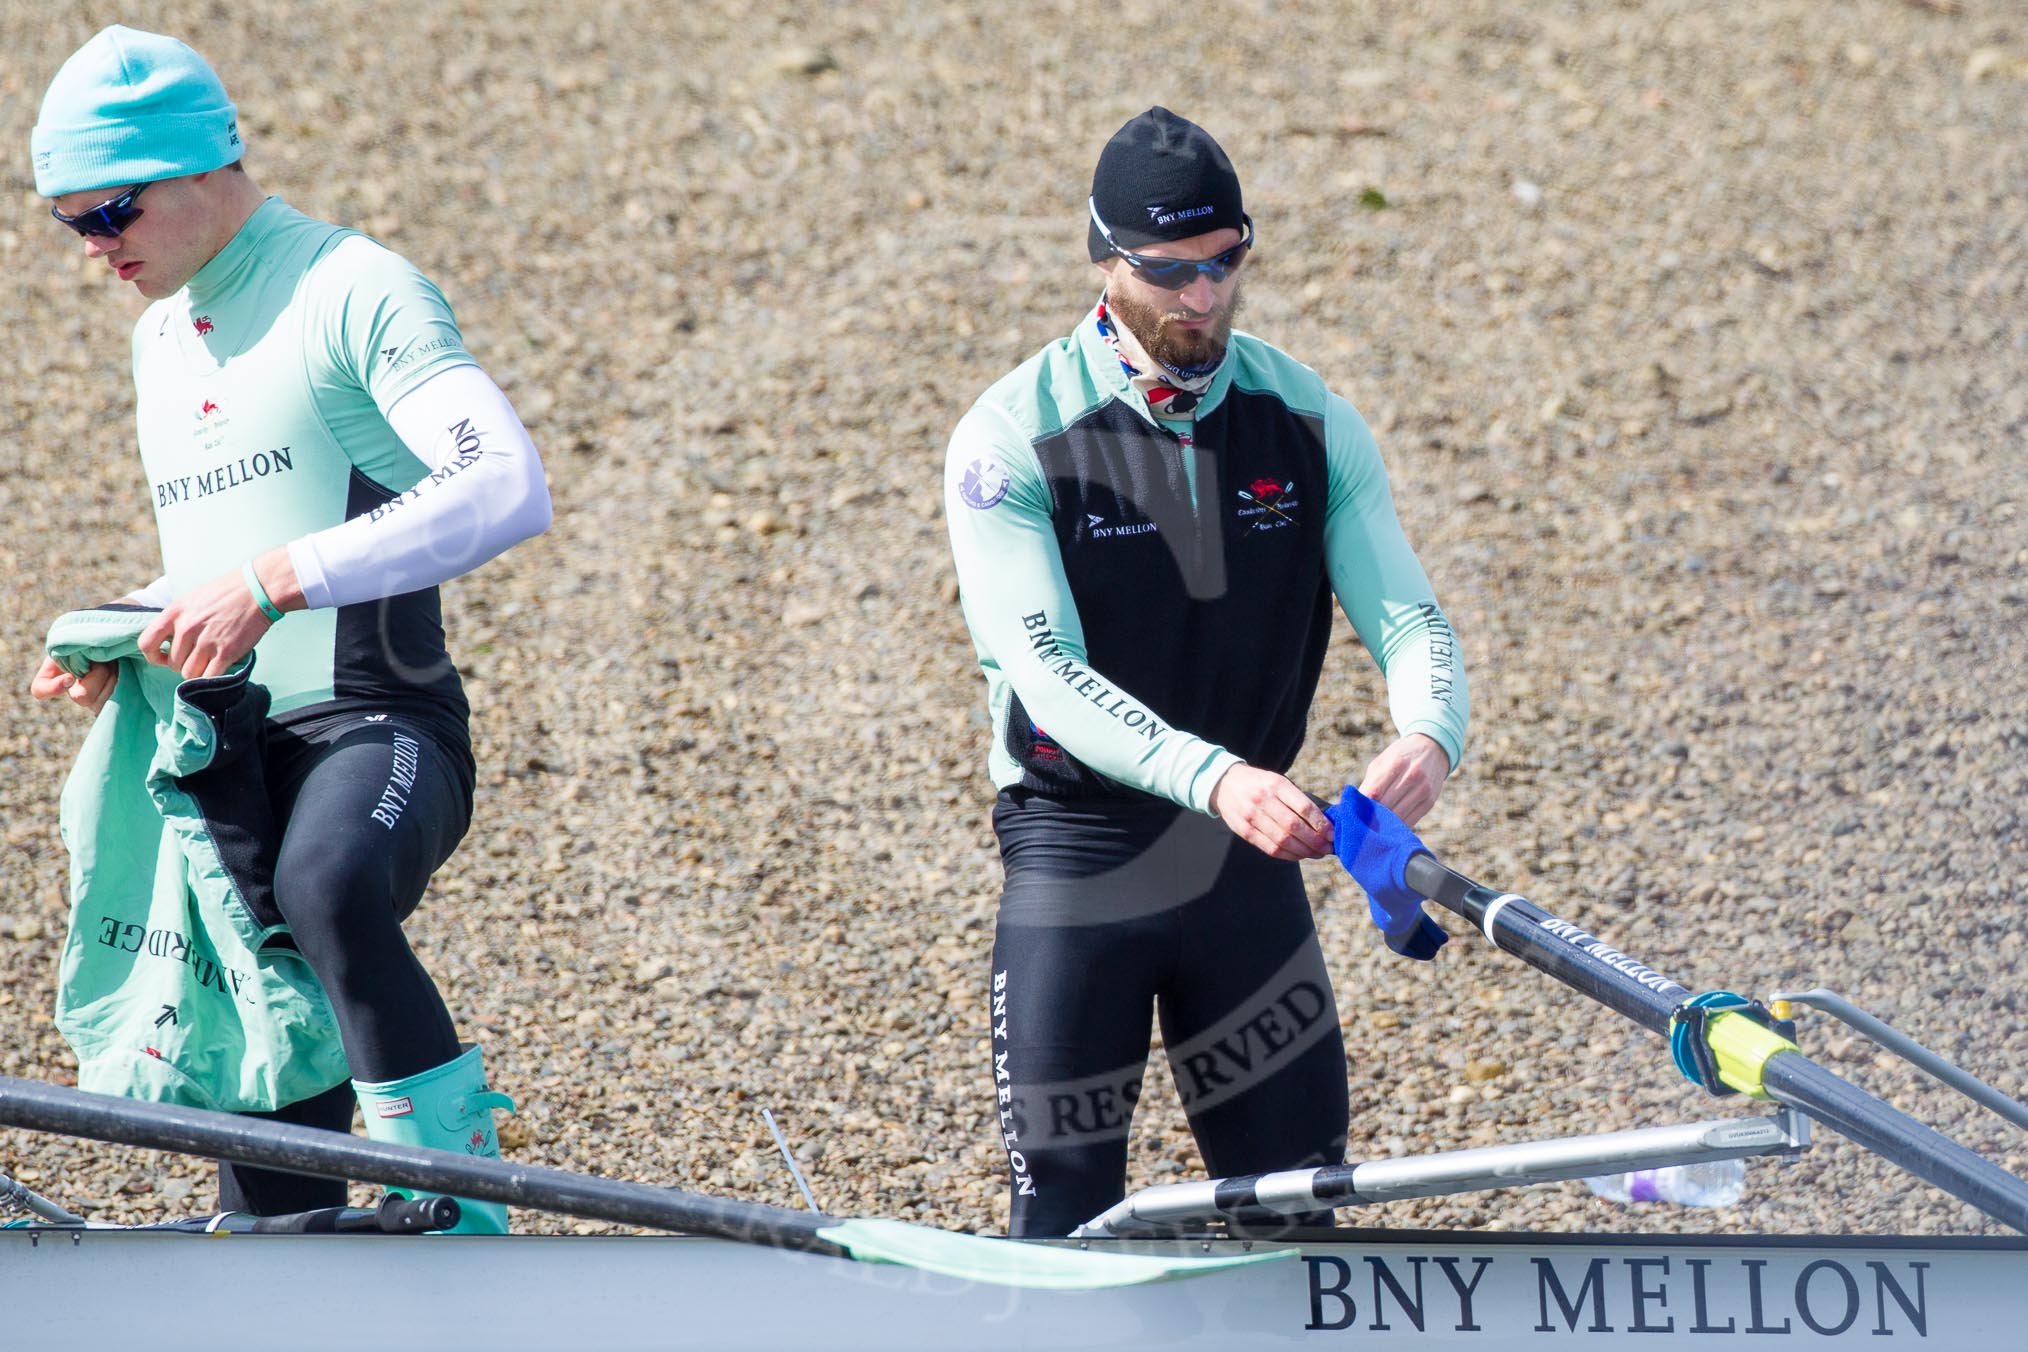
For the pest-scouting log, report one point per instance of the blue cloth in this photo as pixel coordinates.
(131, 107)
(1375, 846)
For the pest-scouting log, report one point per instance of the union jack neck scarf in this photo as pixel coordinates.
(1171, 392)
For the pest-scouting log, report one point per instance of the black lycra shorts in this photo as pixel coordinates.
(1113, 907)
(373, 805)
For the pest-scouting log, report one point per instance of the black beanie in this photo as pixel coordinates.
(1160, 178)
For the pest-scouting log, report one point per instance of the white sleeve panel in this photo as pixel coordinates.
(156, 594)
(484, 493)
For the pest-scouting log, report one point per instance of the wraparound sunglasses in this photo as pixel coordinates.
(109, 219)
(1173, 274)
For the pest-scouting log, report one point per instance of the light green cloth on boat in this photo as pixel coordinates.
(1014, 1262)
(173, 988)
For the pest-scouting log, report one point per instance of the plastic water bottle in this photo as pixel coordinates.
(1714, 1183)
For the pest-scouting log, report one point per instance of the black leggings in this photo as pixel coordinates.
(272, 1192)
(1112, 906)
(372, 807)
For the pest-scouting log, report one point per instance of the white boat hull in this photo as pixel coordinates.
(1373, 1290)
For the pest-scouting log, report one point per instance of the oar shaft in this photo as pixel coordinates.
(1909, 1050)
(1794, 1079)
(1579, 960)
(1592, 967)
(330, 1154)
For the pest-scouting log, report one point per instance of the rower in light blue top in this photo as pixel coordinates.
(260, 386)
(321, 452)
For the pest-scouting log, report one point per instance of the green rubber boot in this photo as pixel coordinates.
(447, 1108)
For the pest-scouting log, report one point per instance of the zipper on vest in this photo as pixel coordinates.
(1186, 441)
(1203, 559)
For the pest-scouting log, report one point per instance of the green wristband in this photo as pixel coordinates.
(260, 593)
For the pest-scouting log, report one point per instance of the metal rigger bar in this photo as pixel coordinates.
(1906, 1047)
(1294, 1191)
(17, 1196)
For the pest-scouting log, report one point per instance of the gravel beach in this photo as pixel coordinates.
(1696, 340)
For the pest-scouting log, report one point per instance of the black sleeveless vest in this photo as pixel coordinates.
(1216, 616)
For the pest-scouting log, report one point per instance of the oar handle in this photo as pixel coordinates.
(398, 1215)
(1447, 887)
(1524, 929)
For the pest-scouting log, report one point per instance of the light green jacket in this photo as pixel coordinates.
(179, 983)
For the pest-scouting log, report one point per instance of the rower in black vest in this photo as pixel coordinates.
(1216, 619)
(1150, 519)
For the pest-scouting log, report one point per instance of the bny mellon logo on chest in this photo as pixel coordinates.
(1098, 528)
(223, 478)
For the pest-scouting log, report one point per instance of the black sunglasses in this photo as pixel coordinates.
(109, 219)
(1173, 274)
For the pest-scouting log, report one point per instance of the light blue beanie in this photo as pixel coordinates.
(131, 107)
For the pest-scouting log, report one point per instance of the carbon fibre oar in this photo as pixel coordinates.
(1771, 1065)
(197, 1131)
